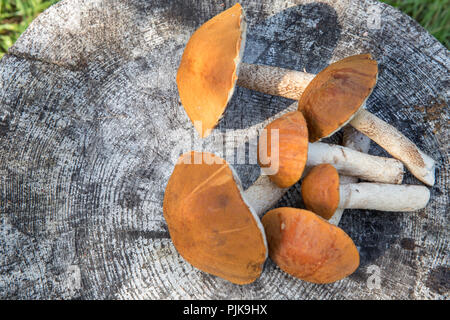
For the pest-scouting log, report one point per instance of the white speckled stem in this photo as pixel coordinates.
(355, 140)
(383, 197)
(398, 145)
(263, 194)
(354, 163)
(274, 81)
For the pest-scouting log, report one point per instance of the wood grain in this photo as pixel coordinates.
(91, 126)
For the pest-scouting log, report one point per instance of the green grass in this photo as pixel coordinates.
(433, 15)
(16, 15)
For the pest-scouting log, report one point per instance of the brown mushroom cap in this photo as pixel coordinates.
(292, 150)
(320, 190)
(308, 247)
(208, 69)
(209, 223)
(336, 93)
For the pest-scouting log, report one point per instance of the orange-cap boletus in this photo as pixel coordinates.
(308, 247)
(207, 72)
(284, 151)
(322, 193)
(291, 149)
(211, 65)
(209, 222)
(320, 190)
(336, 93)
(265, 193)
(283, 165)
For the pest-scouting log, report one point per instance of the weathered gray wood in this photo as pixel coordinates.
(90, 119)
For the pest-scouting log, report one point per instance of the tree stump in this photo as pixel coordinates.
(91, 125)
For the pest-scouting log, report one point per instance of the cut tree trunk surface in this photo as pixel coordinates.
(91, 125)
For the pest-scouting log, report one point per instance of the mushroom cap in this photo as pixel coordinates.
(336, 93)
(320, 190)
(208, 69)
(210, 224)
(308, 247)
(290, 158)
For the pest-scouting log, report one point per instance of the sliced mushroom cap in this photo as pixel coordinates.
(291, 152)
(208, 69)
(209, 222)
(308, 247)
(336, 93)
(320, 190)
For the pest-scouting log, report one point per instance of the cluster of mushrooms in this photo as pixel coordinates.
(217, 227)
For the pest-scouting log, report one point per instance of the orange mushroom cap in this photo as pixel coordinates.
(210, 224)
(292, 148)
(208, 69)
(336, 93)
(308, 247)
(320, 190)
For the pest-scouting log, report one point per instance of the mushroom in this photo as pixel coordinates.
(210, 66)
(210, 224)
(308, 247)
(285, 162)
(264, 193)
(289, 159)
(322, 194)
(355, 140)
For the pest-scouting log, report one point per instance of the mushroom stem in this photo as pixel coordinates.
(291, 84)
(263, 194)
(398, 145)
(354, 163)
(383, 197)
(273, 80)
(355, 140)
